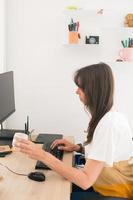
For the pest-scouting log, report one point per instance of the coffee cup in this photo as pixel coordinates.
(126, 54)
(18, 135)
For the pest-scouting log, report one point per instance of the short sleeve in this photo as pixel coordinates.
(102, 147)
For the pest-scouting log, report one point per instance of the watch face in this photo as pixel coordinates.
(92, 40)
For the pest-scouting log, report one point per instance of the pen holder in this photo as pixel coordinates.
(73, 37)
(126, 54)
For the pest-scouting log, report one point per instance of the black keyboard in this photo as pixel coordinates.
(55, 152)
(47, 138)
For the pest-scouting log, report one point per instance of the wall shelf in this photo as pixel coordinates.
(94, 24)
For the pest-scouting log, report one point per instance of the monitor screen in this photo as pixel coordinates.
(7, 101)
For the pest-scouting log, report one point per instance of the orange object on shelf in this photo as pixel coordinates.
(73, 37)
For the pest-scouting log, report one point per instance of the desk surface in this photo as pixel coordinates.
(16, 187)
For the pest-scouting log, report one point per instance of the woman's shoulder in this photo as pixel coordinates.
(112, 126)
(113, 114)
(114, 118)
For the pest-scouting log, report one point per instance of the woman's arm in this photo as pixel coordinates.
(83, 178)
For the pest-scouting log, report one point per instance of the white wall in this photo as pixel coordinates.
(2, 35)
(43, 67)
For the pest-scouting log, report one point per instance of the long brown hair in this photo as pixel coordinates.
(97, 83)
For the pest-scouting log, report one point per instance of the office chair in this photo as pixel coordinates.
(83, 196)
(79, 194)
(112, 198)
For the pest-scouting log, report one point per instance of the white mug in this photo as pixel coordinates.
(18, 135)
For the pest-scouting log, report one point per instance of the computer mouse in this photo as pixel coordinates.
(36, 176)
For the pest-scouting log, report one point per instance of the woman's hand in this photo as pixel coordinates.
(65, 145)
(34, 151)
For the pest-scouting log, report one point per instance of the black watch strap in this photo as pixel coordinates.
(81, 149)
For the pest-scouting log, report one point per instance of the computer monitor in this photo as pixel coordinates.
(7, 100)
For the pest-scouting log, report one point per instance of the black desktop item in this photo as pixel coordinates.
(7, 100)
(7, 106)
(6, 136)
(36, 176)
(47, 139)
(3, 154)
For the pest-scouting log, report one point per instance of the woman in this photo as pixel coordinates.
(108, 147)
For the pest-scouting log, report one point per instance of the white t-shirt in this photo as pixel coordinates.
(112, 140)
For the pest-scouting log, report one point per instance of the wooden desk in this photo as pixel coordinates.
(16, 187)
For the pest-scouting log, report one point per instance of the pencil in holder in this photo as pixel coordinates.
(73, 37)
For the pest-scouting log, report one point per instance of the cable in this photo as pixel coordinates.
(12, 170)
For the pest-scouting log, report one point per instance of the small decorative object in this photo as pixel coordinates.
(128, 22)
(92, 40)
(72, 8)
(126, 54)
(73, 30)
(119, 60)
(100, 12)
